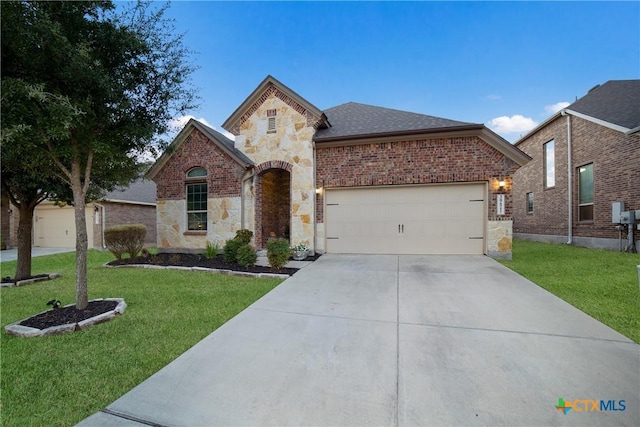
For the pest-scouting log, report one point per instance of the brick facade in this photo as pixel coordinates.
(274, 129)
(128, 213)
(424, 161)
(223, 173)
(273, 204)
(616, 171)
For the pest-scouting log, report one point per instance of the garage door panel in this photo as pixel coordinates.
(55, 227)
(436, 219)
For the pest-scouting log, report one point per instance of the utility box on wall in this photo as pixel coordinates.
(616, 212)
(628, 217)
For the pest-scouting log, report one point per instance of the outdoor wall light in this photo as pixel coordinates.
(501, 184)
(319, 190)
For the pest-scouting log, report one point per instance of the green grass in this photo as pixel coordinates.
(603, 284)
(60, 380)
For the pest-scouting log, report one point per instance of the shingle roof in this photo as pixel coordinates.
(354, 119)
(616, 102)
(142, 190)
(227, 143)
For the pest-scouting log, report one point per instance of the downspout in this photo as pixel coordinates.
(315, 199)
(569, 183)
(242, 213)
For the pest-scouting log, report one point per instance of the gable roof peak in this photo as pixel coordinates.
(225, 144)
(270, 85)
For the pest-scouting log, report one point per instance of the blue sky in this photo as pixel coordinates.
(508, 65)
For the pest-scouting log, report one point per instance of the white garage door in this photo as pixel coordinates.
(55, 227)
(428, 219)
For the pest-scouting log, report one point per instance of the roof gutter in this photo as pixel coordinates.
(413, 132)
(633, 131)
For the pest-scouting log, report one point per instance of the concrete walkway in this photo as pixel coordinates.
(12, 254)
(395, 340)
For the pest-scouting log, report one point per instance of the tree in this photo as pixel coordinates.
(26, 172)
(125, 72)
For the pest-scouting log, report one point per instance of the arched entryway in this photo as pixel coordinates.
(273, 205)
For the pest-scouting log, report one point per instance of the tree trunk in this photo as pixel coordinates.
(82, 295)
(25, 234)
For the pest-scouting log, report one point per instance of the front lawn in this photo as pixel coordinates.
(60, 380)
(603, 284)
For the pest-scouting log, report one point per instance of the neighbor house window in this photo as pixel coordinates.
(585, 192)
(549, 164)
(529, 202)
(196, 200)
(271, 121)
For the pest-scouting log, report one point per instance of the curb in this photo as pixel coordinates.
(18, 330)
(30, 281)
(203, 269)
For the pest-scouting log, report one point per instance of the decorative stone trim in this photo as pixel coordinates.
(273, 164)
(27, 332)
(30, 281)
(203, 269)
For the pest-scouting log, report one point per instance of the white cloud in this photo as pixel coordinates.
(554, 108)
(514, 124)
(493, 97)
(176, 125)
(179, 122)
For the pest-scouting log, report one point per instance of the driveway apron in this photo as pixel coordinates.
(395, 340)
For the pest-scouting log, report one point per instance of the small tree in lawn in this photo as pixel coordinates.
(125, 71)
(26, 173)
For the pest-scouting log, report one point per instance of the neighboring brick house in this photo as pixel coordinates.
(350, 179)
(602, 132)
(54, 226)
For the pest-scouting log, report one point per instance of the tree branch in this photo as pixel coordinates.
(87, 172)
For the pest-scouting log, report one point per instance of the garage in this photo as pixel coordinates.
(54, 227)
(423, 219)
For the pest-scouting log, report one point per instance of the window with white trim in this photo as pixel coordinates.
(271, 120)
(197, 199)
(585, 192)
(550, 164)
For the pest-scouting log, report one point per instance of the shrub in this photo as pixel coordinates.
(231, 250)
(244, 236)
(246, 256)
(211, 250)
(278, 252)
(125, 238)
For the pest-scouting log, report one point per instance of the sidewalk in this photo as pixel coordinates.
(12, 254)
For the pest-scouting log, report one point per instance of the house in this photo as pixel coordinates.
(585, 157)
(54, 226)
(354, 178)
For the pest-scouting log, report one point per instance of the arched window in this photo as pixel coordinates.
(197, 173)
(197, 199)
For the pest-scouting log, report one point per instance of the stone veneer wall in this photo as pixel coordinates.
(499, 238)
(291, 143)
(223, 220)
(224, 176)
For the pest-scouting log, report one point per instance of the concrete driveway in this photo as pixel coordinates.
(396, 340)
(12, 254)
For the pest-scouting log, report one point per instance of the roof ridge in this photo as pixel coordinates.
(397, 111)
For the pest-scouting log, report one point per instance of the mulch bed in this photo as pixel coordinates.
(196, 260)
(13, 280)
(66, 315)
